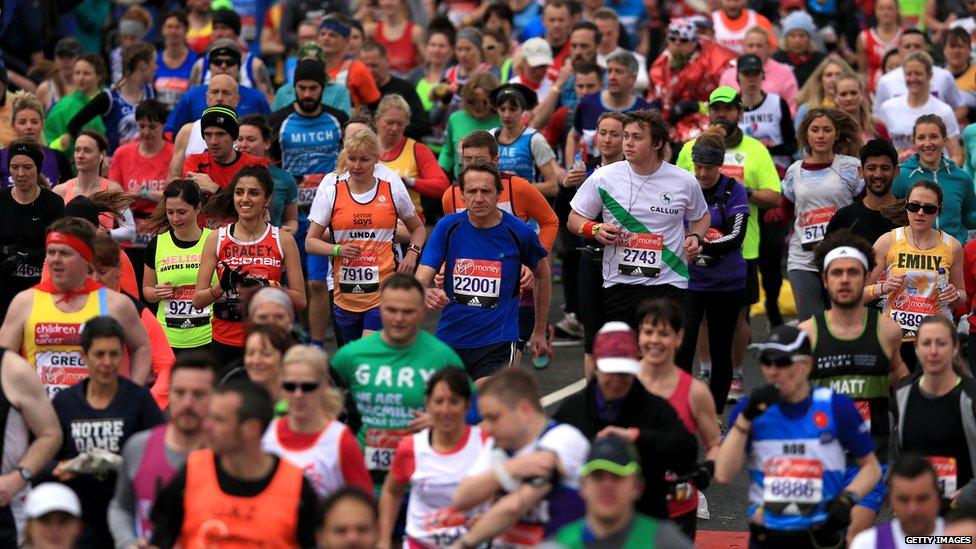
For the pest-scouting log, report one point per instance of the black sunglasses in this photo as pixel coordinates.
(928, 209)
(223, 62)
(306, 387)
(679, 40)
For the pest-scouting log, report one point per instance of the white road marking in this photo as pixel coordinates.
(560, 394)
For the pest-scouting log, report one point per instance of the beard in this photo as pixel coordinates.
(871, 189)
(308, 105)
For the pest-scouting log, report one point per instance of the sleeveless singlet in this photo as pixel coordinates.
(372, 226)
(213, 518)
(732, 39)
(321, 461)
(195, 144)
(52, 339)
(516, 157)
(263, 259)
(120, 122)
(918, 296)
(405, 164)
(876, 49)
(106, 219)
(856, 367)
(683, 497)
(154, 472)
(172, 82)
(246, 71)
(185, 325)
(401, 52)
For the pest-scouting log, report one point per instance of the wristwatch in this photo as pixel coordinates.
(415, 248)
(25, 474)
(698, 236)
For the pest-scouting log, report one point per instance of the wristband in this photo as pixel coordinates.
(504, 478)
(697, 236)
(415, 248)
(336, 250)
(145, 193)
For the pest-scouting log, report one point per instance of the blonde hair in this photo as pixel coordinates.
(761, 31)
(318, 360)
(389, 102)
(864, 116)
(812, 92)
(363, 139)
(920, 57)
(24, 101)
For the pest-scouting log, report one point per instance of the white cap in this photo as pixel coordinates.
(615, 349)
(536, 52)
(50, 497)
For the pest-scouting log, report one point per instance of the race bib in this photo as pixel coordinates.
(946, 473)
(477, 282)
(813, 226)
(792, 486)
(641, 254)
(916, 299)
(359, 275)
(864, 410)
(381, 444)
(444, 526)
(520, 535)
(26, 270)
(307, 188)
(143, 235)
(734, 166)
(60, 369)
(180, 312)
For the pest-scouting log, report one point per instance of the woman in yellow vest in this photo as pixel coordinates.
(413, 161)
(172, 261)
(361, 213)
(922, 268)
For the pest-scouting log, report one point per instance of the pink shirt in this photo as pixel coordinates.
(779, 80)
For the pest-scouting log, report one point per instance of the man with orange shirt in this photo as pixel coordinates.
(519, 198)
(334, 38)
(733, 20)
(213, 170)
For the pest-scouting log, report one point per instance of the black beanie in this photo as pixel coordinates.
(310, 69)
(222, 117)
(228, 18)
(33, 152)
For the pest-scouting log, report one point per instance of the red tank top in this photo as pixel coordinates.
(401, 52)
(683, 497)
(681, 402)
(262, 258)
(106, 219)
(876, 50)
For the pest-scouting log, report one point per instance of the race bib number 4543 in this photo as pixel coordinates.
(477, 282)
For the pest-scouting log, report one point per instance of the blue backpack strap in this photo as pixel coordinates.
(885, 536)
(103, 301)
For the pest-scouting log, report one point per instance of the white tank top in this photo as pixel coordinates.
(764, 123)
(729, 38)
(320, 461)
(430, 518)
(195, 144)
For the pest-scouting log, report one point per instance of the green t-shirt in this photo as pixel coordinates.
(644, 533)
(56, 122)
(387, 385)
(460, 125)
(750, 164)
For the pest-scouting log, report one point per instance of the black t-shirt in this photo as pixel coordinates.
(84, 428)
(149, 258)
(25, 226)
(861, 221)
(944, 437)
(167, 513)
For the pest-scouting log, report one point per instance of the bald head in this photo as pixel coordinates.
(222, 90)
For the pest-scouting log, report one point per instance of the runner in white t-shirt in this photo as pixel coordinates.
(899, 117)
(645, 204)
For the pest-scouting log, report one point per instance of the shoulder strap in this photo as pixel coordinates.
(884, 536)
(103, 301)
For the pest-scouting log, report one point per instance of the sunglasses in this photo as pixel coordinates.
(780, 362)
(306, 387)
(928, 209)
(223, 62)
(490, 47)
(678, 40)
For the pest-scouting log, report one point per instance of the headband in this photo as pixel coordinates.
(704, 154)
(271, 295)
(470, 35)
(845, 251)
(128, 27)
(73, 242)
(337, 27)
(22, 149)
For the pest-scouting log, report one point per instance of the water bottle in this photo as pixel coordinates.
(578, 164)
(941, 284)
(542, 361)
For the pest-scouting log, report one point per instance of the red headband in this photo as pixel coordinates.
(73, 242)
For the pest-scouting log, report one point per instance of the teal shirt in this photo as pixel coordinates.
(959, 198)
(285, 193)
(333, 95)
(969, 144)
(459, 125)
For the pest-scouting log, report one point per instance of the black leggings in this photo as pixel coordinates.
(721, 310)
(771, 266)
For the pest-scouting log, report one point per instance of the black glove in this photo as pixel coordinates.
(838, 513)
(230, 278)
(253, 282)
(760, 399)
(682, 109)
(703, 475)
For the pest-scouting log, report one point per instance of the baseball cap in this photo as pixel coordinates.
(615, 349)
(724, 94)
(749, 63)
(49, 497)
(784, 344)
(68, 47)
(537, 52)
(612, 454)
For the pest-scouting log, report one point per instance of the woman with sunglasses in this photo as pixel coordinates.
(796, 440)
(827, 179)
(497, 50)
(930, 163)
(522, 150)
(919, 270)
(661, 330)
(476, 114)
(942, 389)
(430, 464)
(310, 436)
